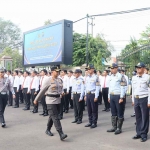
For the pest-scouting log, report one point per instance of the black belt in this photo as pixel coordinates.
(52, 95)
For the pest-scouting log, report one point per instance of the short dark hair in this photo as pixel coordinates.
(95, 71)
(35, 72)
(45, 71)
(9, 71)
(16, 71)
(21, 72)
(27, 72)
(99, 71)
(106, 71)
(70, 71)
(65, 71)
(147, 69)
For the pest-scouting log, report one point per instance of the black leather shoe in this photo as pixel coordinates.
(26, 109)
(88, 125)
(9, 104)
(74, 121)
(16, 107)
(35, 111)
(66, 111)
(133, 115)
(49, 133)
(79, 122)
(107, 110)
(136, 137)
(45, 114)
(93, 126)
(62, 135)
(3, 125)
(143, 139)
(42, 114)
(104, 109)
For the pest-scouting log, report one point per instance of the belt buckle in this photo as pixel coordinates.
(137, 96)
(112, 93)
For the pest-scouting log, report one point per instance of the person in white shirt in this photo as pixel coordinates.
(100, 92)
(105, 88)
(66, 90)
(16, 88)
(34, 88)
(21, 78)
(10, 99)
(43, 102)
(126, 87)
(26, 90)
(71, 77)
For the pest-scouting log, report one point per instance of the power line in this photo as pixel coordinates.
(116, 13)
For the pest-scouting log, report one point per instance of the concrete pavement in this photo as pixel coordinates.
(26, 131)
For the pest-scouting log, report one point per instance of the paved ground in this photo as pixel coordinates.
(25, 131)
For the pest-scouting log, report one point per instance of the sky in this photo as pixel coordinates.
(30, 14)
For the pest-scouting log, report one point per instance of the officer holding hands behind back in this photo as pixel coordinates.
(115, 97)
(141, 101)
(92, 88)
(77, 96)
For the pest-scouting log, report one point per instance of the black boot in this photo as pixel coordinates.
(48, 132)
(114, 124)
(62, 135)
(120, 123)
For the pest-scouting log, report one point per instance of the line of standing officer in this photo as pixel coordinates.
(77, 96)
(92, 88)
(141, 101)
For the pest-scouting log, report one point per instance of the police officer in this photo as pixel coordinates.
(141, 101)
(53, 88)
(92, 88)
(115, 97)
(77, 96)
(5, 84)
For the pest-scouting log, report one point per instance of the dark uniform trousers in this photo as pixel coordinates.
(78, 107)
(17, 97)
(26, 97)
(10, 98)
(92, 108)
(3, 103)
(66, 100)
(124, 104)
(105, 97)
(33, 96)
(61, 107)
(142, 116)
(20, 94)
(100, 98)
(69, 97)
(116, 108)
(54, 110)
(43, 102)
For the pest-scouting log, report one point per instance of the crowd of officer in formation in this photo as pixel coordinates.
(61, 90)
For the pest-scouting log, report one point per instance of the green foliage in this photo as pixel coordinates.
(9, 34)
(47, 22)
(143, 55)
(97, 49)
(15, 55)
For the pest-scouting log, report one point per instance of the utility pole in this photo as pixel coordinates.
(87, 40)
(92, 24)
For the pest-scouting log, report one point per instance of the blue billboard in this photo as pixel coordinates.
(45, 45)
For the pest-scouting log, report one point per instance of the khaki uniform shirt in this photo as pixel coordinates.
(51, 86)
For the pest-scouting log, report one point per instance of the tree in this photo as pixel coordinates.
(15, 55)
(47, 22)
(9, 34)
